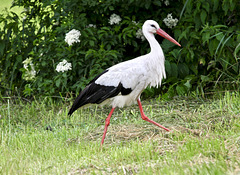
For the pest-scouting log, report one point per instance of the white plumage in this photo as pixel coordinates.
(122, 84)
(138, 73)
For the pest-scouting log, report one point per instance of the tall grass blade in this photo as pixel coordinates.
(225, 43)
(219, 46)
(183, 9)
(236, 51)
(9, 119)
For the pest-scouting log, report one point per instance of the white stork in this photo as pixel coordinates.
(122, 84)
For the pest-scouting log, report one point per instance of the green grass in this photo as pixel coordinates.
(205, 138)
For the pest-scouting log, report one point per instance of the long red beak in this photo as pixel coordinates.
(165, 35)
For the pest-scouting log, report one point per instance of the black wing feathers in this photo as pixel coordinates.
(96, 94)
(98, 76)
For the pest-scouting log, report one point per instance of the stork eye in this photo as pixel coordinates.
(154, 26)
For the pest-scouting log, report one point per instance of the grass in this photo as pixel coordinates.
(39, 138)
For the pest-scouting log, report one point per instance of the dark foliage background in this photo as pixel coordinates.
(208, 31)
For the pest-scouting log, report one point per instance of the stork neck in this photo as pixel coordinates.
(154, 45)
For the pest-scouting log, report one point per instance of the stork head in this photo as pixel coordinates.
(152, 26)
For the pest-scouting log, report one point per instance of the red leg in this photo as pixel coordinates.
(144, 117)
(106, 125)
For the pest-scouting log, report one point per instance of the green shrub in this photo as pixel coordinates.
(207, 30)
(210, 34)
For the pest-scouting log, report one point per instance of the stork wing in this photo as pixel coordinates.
(129, 74)
(122, 78)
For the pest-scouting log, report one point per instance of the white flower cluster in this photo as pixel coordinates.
(63, 66)
(139, 35)
(72, 37)
(91, 25)
(114, 19)
(169, 21)
(30, 72)
(166, 2)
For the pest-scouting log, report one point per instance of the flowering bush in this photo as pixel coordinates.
(170, 22)
(114, 19)
(64, 66)
(72, 37)
(28, 70)
(56, 47)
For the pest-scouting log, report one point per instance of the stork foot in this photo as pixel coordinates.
(144, 117)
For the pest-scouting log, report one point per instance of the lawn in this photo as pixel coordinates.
(38, 137)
